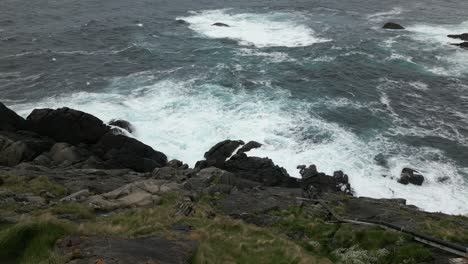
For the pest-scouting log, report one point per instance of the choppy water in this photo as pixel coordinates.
(315, 81)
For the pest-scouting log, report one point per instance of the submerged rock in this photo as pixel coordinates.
(392, 25)
(182, 22)
(219, 24)
(411, 176)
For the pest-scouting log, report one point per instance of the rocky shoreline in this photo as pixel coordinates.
(114, 199)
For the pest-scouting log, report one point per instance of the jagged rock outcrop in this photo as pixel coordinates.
(463, 36)
(391, 25)
(80, 140)
(315, 183)
(261, 170)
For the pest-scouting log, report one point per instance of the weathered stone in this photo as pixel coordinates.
(138, 194)
(77, 196)
(66, 153)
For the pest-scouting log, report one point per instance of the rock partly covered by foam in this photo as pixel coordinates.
(123, 124)
(391, 25)
(219, 24)
(411, 176)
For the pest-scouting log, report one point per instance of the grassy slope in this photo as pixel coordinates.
(298, 237)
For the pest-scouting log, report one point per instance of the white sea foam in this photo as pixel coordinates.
(434, 38)
(385, 15)
(273, 57)
(184, 119)
(260, 30)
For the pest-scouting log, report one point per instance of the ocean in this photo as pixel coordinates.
(316, 82)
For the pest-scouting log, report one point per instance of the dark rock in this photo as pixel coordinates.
(175, 163)
(120, 151)
(461, 45)
(67, 125)
(182, 22)
(125, 125)
(392, 25)
(249, 146)
(411, 176)
(463, 36)
(261, 170)
(219, 24)
(9, 120)
(138, 250)
(314, 182)
(223, 150)
(21, 146)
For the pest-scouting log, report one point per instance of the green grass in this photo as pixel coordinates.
(31, 241)
(36, 185)
(82, 211)
(454, 229)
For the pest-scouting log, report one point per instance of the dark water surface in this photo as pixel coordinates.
(315, 81)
